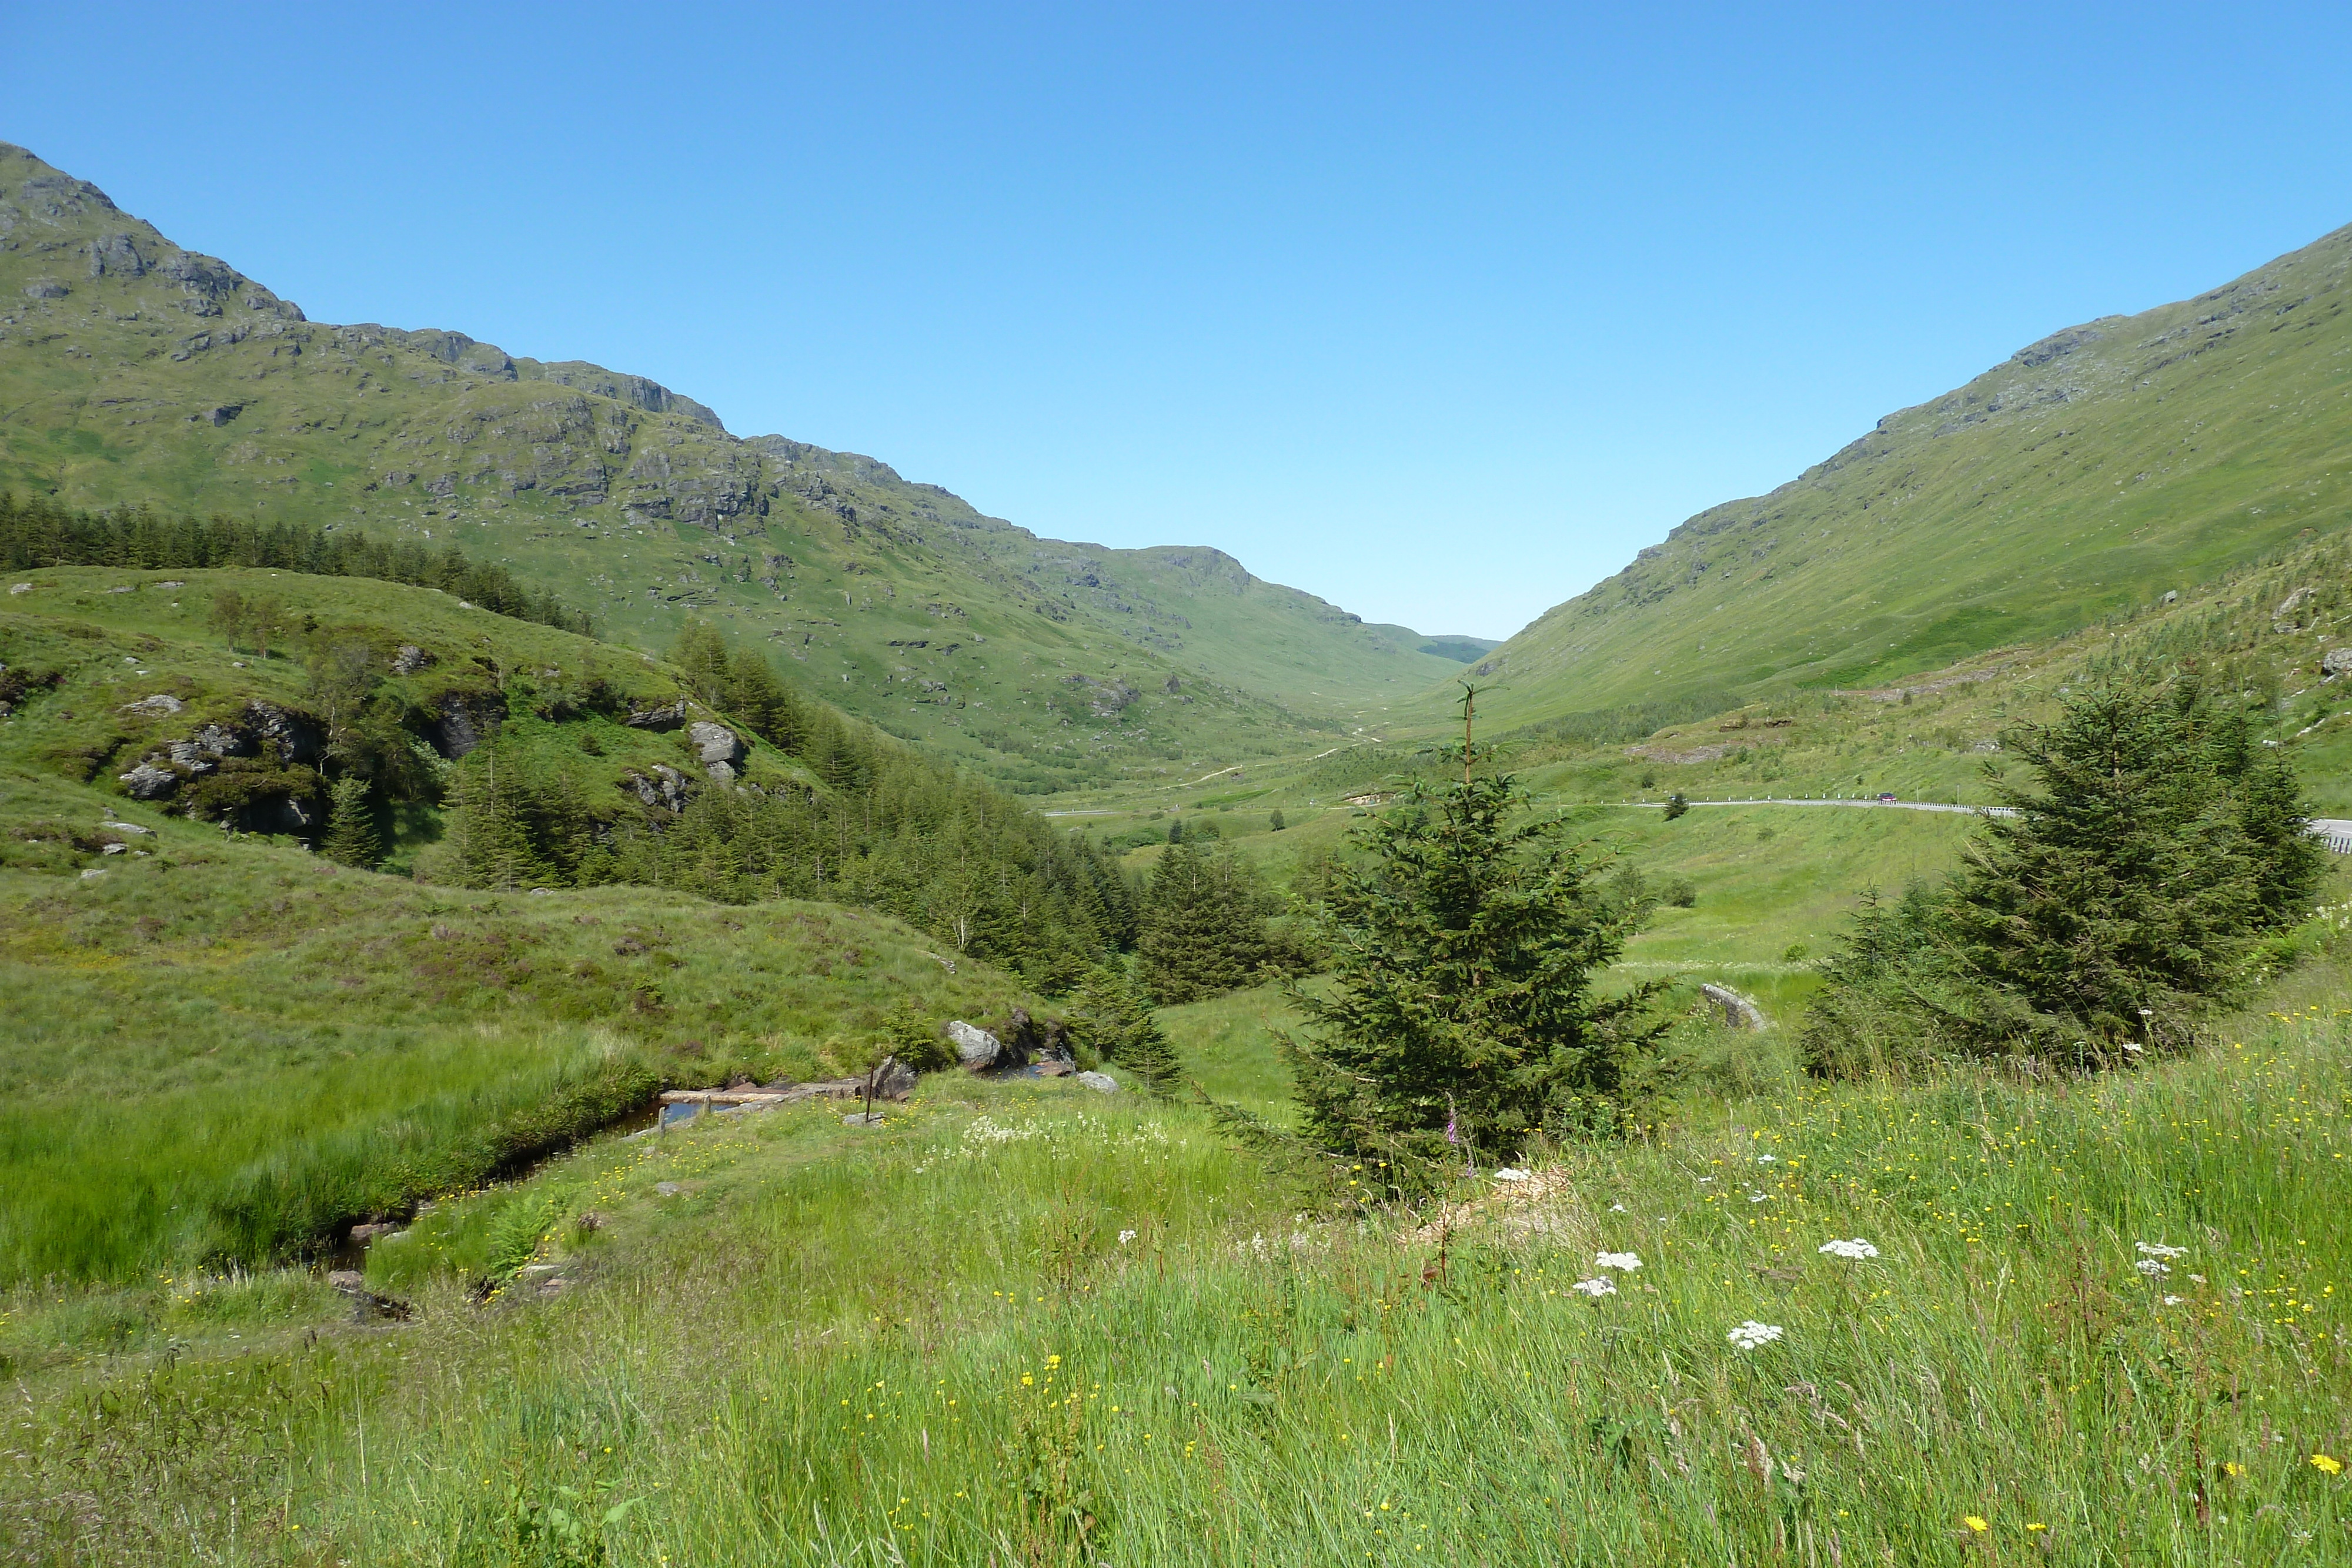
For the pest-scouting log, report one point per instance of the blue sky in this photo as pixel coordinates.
(1441, 312)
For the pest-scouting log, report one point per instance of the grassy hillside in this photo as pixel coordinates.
(2085, 476)
(137, 373)
(220, 1049)
(496, 753)
(1017, 1323)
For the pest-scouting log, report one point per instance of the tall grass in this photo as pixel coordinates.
(1033, 1325)
(219, 1052)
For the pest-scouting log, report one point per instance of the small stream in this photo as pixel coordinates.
(348, 1252)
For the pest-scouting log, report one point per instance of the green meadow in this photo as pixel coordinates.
(1024, 1322)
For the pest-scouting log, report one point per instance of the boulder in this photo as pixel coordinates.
(720, 748)
(409, 658)
(2337, 661)
(976, 1048)
(1100, 1082)
(668, 716)
(161, 705)
(893, 1079)
(149, 782)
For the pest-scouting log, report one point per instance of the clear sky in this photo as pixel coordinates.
(1438, 312)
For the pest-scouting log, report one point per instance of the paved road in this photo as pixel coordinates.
(2336, 830)
(1881, 805)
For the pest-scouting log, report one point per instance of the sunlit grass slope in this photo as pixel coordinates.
(2088, 474)
(2102, 1323)
(218, 1049)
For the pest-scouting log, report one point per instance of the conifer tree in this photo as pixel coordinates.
(1203, 930)
(1464, 1011)
(490, 827)
(1117, 1019)
(2156, 843)
(350, 825)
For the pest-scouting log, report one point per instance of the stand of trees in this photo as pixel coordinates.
(880, 827)
(2160, 843)
(35, 532)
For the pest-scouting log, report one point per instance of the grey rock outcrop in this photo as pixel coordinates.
(1100, 1082)
(665, 788)
(297, 739)
(161, 705)
(721, 748)
(668, 716)
(463, 720)
(976, 1048)
(2337, 661)
(893, 1079)
(409, 659)
(149, 782)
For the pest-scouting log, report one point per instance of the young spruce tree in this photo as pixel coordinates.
(2158, 842)
(1203, 926)
(1464, 1011)
(350, 825)
(1117, 1020)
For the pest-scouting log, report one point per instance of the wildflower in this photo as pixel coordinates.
(2322, 1462)
(2233, 1469)
(1616, 1208)
(2199, 1278)
(1768, 1159)
(2174, 1301)
(2151, 1268)
(1752, 1334)
(1756, 1198)
(1124, 1237)
(1973, 1523)
(1596, 1287)
(2135, 1050)
(1510, 1173)
(1857, 1248)
(1628, 1261)
(2159, 1249)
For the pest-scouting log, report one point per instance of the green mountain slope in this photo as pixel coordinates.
(2089, 473)
(133, 372)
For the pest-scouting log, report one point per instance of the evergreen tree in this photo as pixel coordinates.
(701, 654)
(1464, 1011)
(350, 825)
(1676, 805)
(1203, 926)
(915, 1040)
(2157, 844)
(490, 824)
(1274, 821)
(1118, 1020)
